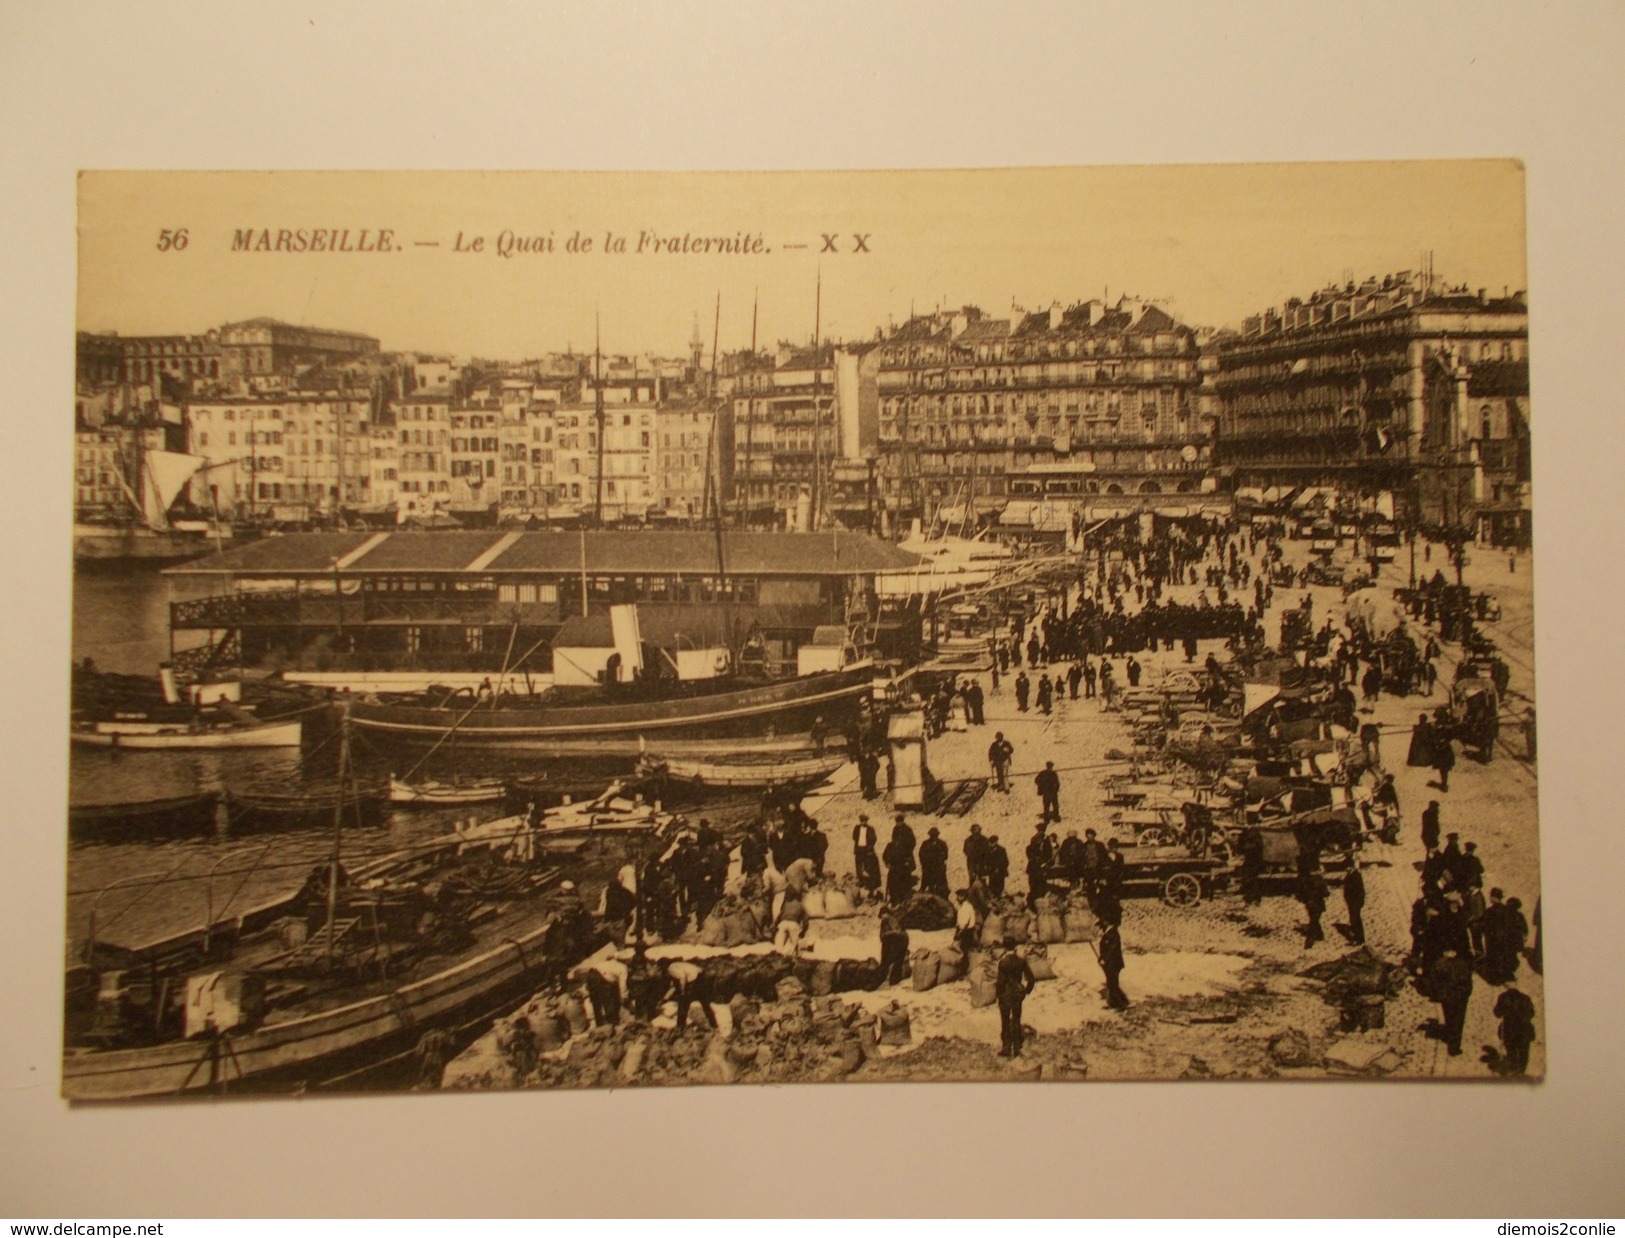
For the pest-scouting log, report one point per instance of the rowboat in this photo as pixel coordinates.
(433, 794)
(154, 735)
(261, 807)
(748, 771)
(161, 818)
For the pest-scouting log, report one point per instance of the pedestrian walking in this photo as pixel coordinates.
(1516, 1011)
(899, 857)
(865, 862)
(1430, 827)
(1024, 689)
(1048, 783)
(1371, 685)
(1354, 900)
(1111, 963)
(999, 755)
(1012, 982)
(1090, 674)
(975, 848)
(1251, 847)
(1450, 983)
(1040, 859)
(998, 866)
(1444, 760)
(975, 702)
(1074, 677)
(868, 773)
(1312, 893)
(1046, 695)
(934, 864)
(1420, 754)
(1132, 669)
(1505, 932)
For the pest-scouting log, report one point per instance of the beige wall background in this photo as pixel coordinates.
(836, 86)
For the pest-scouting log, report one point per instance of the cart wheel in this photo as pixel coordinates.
(1157, 836)
(1182, 890)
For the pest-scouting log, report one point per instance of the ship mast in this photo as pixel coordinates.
(598, 409)
(818, 413)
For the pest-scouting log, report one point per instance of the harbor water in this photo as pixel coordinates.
(139, 891)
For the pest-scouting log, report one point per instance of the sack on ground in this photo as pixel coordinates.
(928, 912)
(1038, 961)
(993, 929)
(838, 905)
(716, 931)
(894, 1026)
(822, 981)
(1051, 927)
(1080, 923)
(950, 964)
(573, 1013)
(858, 975)
(1019, 927)
(813, 903)
(981, 972)
(923, 963)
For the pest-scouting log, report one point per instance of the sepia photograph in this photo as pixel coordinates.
(542, 630)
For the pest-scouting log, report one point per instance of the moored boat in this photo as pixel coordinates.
(260, 807)
(430, 793)
(747, 771)
(285, 997)
(174, 816)
(145, 735)
(719, 711)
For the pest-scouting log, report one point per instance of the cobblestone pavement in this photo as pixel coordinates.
(1492, 805)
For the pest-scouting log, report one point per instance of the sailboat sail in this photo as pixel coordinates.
(166, 473)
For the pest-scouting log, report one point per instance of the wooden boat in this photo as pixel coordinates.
(261, 807)
(289, 1017)
(747, 771)
(713, 711)
(176, 816)
(153, 735)
(433, 794)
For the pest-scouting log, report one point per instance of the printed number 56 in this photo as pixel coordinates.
(172, 239)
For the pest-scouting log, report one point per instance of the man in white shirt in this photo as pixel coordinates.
(965, 922)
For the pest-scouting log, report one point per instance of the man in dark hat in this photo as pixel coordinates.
(1354, 899)
(1504, 931)
(1430, 826)
(865, 862)
(1048, 783)
(1111, 962)
(1450, 983)
(997, 861)
(899, 857)
(1517, 1030)
(934, 864)
(1012, 982)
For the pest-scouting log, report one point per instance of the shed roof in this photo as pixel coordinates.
(652, 552)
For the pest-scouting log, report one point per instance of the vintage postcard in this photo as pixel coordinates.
(545, 630)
